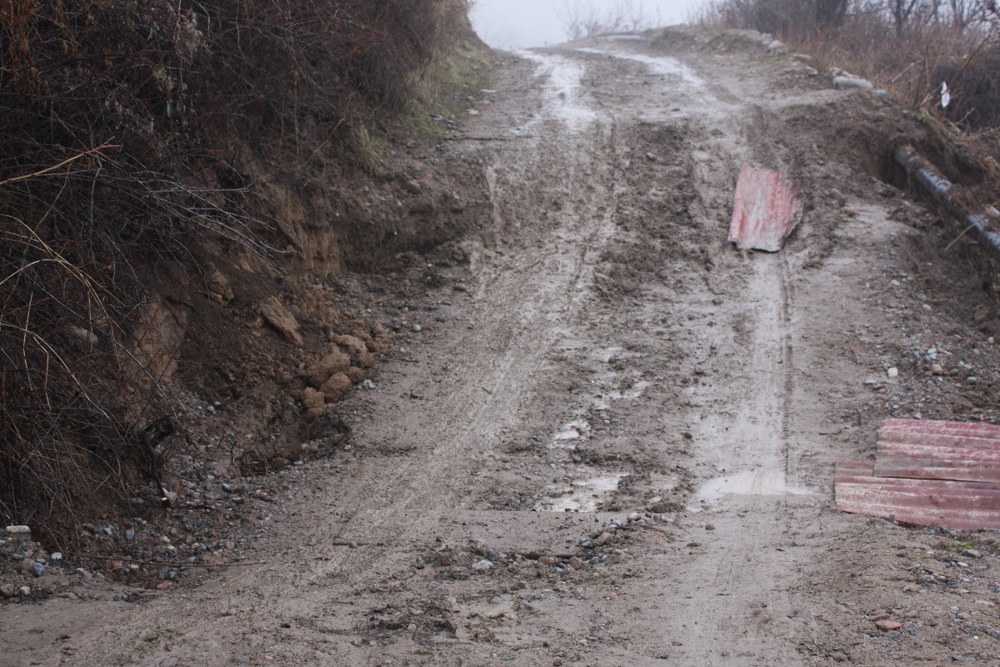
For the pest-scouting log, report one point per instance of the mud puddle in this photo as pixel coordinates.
(589, 491)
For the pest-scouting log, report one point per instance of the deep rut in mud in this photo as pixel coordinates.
(611, 446)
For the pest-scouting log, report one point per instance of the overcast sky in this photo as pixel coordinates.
(509, 24)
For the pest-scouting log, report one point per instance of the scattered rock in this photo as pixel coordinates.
(357, 349)
(602, 539)
(843, 82)
(333, 363)
(313, 401)
(336, 388)
(278, 316)
(886, 625)
(482, 566)
(219, 288)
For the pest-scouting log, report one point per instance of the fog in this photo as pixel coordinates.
(511, 24)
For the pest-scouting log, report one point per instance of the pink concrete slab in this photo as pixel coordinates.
(764, 210)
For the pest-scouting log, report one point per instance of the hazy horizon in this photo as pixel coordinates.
(513, 24)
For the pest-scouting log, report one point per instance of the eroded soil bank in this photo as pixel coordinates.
(606, 437)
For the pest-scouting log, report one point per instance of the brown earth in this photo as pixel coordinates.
(599, 435)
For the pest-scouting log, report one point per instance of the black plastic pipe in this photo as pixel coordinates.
(940, 188)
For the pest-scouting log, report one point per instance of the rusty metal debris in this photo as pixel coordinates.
(765, 209)
(927, 473)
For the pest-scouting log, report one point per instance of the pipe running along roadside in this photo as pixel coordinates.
(941, 189)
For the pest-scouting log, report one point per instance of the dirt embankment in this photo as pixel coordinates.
(600, 435)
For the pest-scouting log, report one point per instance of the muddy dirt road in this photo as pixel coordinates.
(610, 439)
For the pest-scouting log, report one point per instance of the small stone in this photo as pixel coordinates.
(887, 625)
(852, 82)
(634, 516)
(972, 553)
(412, 627)
(892, 372)
(24, 591)
(651, 157)
(57, 555)
(18, 530)
(709, 526)
(416, 328)
(413, 187)
(577, 563)
(482, 566)
(275, 313)
(549, 560)
(369, 385)
(336, 388)
(911, 588)
(38, 569)
(602, 539)
(336, 361)
(8, 590)
(937, 369)
(164, 585)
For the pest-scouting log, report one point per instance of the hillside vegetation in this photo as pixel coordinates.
(911, 47)
(152, 154)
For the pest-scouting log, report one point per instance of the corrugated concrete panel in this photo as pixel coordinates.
(927, 473)
(922, 502)
(764, 210)
(939, 450)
